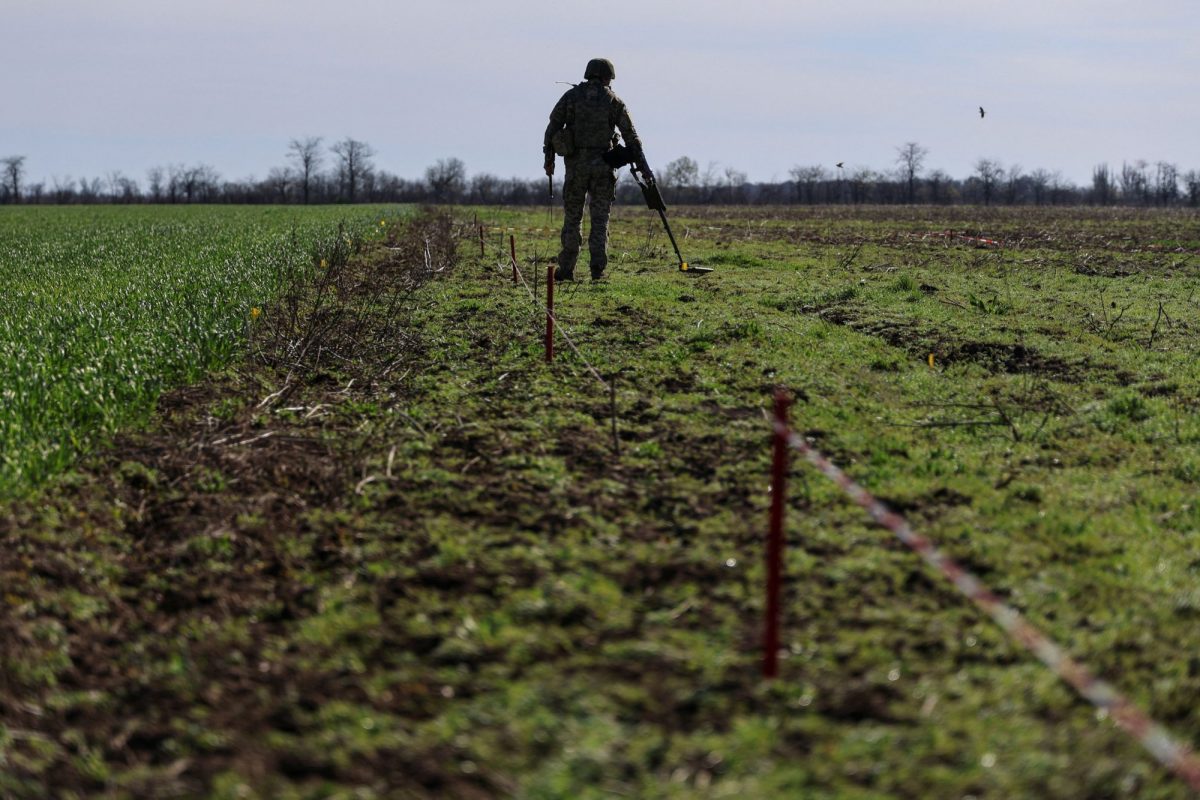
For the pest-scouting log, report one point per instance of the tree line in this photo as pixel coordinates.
(345, 172)
(1137, 183)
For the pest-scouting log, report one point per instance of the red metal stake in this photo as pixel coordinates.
(481, 252)
(549, 313)
(512, 247)
(779, 467)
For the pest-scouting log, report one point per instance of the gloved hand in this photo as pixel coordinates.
(549, 164)
(644, 168)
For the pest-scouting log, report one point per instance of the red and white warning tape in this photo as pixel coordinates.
(502, 229)
(1172, 753)
(978, 241)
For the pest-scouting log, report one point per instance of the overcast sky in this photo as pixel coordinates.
(87, 87)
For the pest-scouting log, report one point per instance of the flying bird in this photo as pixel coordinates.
(839, 164)
(981, 112)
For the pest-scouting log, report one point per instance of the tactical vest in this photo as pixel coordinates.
(593, 112)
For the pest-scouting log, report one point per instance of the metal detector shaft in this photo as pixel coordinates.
(670, 235)
(655, 201)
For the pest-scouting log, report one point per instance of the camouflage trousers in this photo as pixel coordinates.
(588, 179)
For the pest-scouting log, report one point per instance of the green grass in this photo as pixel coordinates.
(478, 597)
(105, 307)
(1051, 446)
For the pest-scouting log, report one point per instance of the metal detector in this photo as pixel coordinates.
(654, 200)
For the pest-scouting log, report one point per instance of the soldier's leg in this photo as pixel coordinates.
(602, 190)
(574, 194)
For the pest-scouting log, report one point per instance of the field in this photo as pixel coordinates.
(408, 559)
(106, 307)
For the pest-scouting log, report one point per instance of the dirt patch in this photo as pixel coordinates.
(1016, 359)
(1106, 266)
(997, 357)
(928, 506)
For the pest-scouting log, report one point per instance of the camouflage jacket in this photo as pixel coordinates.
(592, 112)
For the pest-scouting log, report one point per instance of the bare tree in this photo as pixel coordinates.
(1192, 180)
(911, 158)
(307, 155)
(447, 179)
(735, 179)
(485, 188)
(119, 187)
(277, 182)
(1166, 183)
(861, 179)
(175, 180)
(937, 179)
(708, 180)
(195, 184)
(680, 175)
(14, 170)
(205, 182)
(1012, 184)
(191, 183)
(127, 189)
(354, 162)
(1102, 185)
(988, 171)
(1039, 180)
(367, 186)
(154, 180)
(90, 190)
(63, 189)
(806, 180)
(1058, 187)
(1135, 186)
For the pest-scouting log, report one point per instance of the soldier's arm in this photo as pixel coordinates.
(558, 119)
(630, 136)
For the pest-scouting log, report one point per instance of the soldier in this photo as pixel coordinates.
(581, 130)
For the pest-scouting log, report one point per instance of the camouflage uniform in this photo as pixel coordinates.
(590, 112)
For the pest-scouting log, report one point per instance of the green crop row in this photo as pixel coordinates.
(104, 308)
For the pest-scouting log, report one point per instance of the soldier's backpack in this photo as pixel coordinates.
(593, 117)
(589, 121)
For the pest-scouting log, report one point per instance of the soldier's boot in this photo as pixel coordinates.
(565, 269)
(597, 264)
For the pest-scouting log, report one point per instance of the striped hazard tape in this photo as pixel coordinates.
(498, 229)
(1171, 753)
(978, 241)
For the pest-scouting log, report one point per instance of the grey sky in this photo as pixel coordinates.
(87, 87)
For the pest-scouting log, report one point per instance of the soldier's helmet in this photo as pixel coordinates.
(600, 68)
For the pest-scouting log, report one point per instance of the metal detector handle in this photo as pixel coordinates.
(653, 197)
